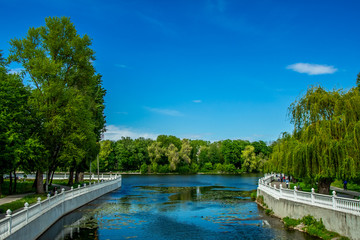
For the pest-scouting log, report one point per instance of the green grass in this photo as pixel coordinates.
(21, 187)
(291, 222)
(305, 187)
(18, 204)
(350, 186)
(312, 227)
(253, 195)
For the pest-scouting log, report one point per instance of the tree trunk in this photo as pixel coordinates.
(15, 182)
(324, 185)
(52, 177)
(39, 182)
(81, 176)
(10, 184)
(77, 177)
(1, 183)
(71, 177)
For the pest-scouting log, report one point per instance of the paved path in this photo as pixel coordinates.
(347, 192)
(12, 198)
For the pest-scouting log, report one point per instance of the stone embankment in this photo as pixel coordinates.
(341, 215)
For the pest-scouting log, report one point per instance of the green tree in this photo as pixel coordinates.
(67, 92)
(185, 151)
(324, 144)
(250, 160)
(173, 155)
(156, 152)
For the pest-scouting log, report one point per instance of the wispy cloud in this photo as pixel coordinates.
(163, 26)
(197, 101)
(116, 132)
(312, 69)
(121, 66)
(16, 70)
(163, 111)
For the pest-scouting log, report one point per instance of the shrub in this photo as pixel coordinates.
(230, 168)
(269, 212)
(163, 168)
(154, 167)
(144, 168)
(290, 222)
(184, 169)
(207, 167)
(194, 168)
(219, 167)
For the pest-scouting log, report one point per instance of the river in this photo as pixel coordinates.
(174, 207)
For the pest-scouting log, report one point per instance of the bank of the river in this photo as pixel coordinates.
(306, 224)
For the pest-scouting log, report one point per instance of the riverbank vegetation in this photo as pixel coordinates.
(169, 154)
(56, 120)
(312, 226)
(324, 144)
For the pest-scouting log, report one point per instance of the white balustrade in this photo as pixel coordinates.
(13, 222)
(312, 198)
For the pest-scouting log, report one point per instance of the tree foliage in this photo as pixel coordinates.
(325, 141)
(67, 92)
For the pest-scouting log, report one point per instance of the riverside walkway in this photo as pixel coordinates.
(338, 213)
(340, 191)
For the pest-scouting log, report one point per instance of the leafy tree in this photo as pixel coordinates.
(173, 155)
(203, 155)
(231, 151)
(156, 153)
(195, 149)
(166, 140)
(250, 160)
(18, 129)
(185, 151)
(324, 144)
(67, 92)
(261, 147)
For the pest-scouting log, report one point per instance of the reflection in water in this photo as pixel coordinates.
(174, 207)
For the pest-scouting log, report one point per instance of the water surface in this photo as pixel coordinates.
(174, 207)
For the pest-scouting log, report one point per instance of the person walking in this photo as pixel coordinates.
(345, 185)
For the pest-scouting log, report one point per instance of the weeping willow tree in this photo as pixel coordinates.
(325, 141)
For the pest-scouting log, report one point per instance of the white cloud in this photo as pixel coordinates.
(116, 132)
(121, 65)
(312, 69)
(197, 101)
(168, 112)
(15, 70)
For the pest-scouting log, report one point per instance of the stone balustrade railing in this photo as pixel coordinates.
(13, 222)
(326, 201)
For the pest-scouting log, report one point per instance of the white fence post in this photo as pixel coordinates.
(295, 192)
(72, 191)
(39, 202)
(8, 215)
(26, 207)
(333, 199)
(312, 195)
(280, 189)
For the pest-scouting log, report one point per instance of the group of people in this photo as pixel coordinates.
(285, 179)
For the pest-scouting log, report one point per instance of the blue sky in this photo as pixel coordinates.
(205, 69)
